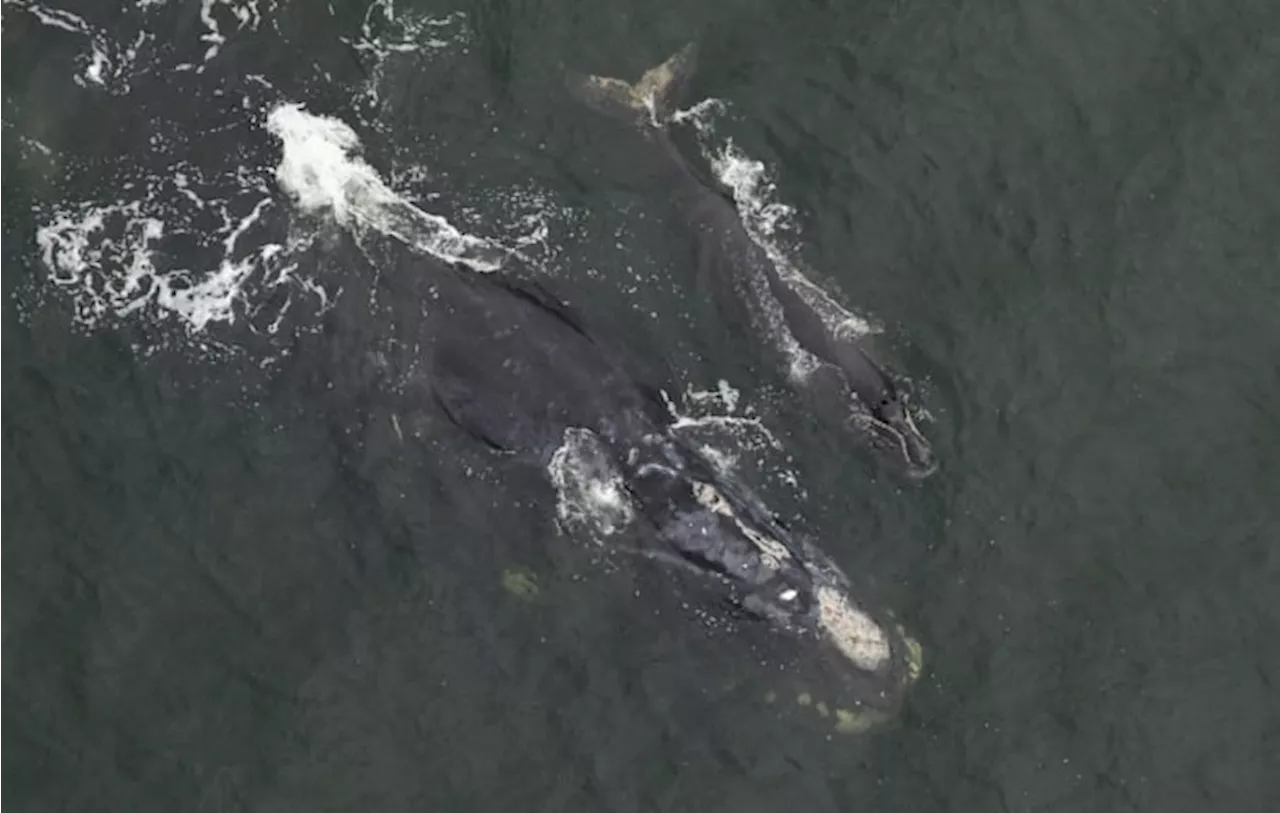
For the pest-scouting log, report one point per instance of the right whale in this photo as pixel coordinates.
(842, 376)
(516, 368)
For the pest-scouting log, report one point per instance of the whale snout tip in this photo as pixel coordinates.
(897, 435)
(915, 449)
(920, 461)
(876, 665)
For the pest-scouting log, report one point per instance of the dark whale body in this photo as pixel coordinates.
(514, 367)
(846, 381)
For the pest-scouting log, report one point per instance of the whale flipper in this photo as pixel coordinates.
(651, 100)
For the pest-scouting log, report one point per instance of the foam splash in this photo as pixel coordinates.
(397, 46)
(106, 65)
(323, 173)
(767, 219)
(202, 246)
(530, 219)
(698, 413)
(111, 66)
(33, 145)
(407, 32)
(709, 420)
(723, 395)
(116, 259)
(179, 244)
(591, 499)
(391, 40)
(245, 13)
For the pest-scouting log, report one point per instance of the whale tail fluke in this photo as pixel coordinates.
(650, 101)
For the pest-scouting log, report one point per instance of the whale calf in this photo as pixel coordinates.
(515, 368)
(843, 377)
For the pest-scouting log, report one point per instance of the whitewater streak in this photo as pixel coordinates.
(322, 172)
(766, 218)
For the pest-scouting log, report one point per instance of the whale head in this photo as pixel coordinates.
(784, 594)
(880, 407)
(893, 430)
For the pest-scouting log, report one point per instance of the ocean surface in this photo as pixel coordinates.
(240, 575)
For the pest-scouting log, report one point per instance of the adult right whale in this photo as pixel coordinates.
(842, 376)
(512, 365)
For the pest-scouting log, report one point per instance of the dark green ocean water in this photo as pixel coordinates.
(233, 582)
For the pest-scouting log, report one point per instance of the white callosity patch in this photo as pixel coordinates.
(772, 552)
(321, 170)
(853, 632)
(591, 498)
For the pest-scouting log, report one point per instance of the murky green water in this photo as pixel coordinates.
(233, 581)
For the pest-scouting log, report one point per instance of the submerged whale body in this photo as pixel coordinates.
(515, 368)
(847, 380)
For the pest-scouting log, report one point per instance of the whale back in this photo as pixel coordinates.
(514, 366)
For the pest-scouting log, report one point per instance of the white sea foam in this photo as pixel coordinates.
(133, 257)
(591, 499)
(322, 171)
(245, 14)
(385, 33)
(730, 438)
(397, 47)
(771, 224)
(206, 245)
(106, 64)
(112, 262)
